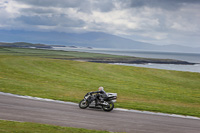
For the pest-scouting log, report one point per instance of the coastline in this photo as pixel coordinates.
(177, 62)
(135, 60)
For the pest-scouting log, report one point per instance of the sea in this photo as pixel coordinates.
(189, 57)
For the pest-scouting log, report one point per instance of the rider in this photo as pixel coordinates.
(101, 94)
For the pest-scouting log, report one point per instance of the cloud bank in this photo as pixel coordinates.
(153, 21)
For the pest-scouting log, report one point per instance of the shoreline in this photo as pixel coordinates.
(136, 61)
(146, 62)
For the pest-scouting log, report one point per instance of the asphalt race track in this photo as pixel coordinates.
(62, 114)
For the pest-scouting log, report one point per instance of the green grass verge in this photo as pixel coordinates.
(138, 88)
(27, 127)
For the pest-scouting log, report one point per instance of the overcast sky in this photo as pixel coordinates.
(154, 21)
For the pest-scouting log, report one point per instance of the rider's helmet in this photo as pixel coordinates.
(101, 88)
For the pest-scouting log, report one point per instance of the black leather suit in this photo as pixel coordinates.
(101, 95)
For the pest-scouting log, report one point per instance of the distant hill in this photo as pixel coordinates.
(23, 45)
(90, 39)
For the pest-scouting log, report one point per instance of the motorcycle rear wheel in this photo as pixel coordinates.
(108, 107)
(83, 104)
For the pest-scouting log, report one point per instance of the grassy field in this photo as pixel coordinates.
(30, 72)
(27, 127)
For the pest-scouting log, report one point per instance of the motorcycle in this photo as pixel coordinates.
(92, 102)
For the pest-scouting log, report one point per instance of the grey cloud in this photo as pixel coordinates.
(104, 5)
(37, 10)
(107, 4)
(53, 3)
(164, 4)
(36, 20)
(55, 20)
(81, 5)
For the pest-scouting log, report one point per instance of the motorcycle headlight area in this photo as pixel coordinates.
(86, 97)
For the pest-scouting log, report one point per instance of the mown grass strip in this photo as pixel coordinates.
(28, 127)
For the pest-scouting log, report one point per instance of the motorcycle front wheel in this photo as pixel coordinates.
(83, 104)
(108, 107)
